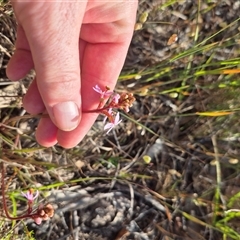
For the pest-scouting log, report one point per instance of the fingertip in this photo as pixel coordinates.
(73, 138)
(67, 139)
(46, 133)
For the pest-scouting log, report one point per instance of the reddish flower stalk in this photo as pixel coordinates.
(41, 213)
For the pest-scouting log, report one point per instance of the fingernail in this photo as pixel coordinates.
(66, 115)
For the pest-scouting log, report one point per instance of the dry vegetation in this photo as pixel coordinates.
(171, 170)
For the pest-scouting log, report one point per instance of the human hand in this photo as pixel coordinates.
(72, 46)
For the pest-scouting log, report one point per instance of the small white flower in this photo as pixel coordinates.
(111, 125)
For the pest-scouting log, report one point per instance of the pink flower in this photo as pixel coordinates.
(29, 195)
(111, 125)
(115, 98)
(104, 94)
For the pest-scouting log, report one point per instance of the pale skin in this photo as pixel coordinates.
(72, 46)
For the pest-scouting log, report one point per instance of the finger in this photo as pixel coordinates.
(46, 133)
(21, 62)
(32, 101)
(55, 58)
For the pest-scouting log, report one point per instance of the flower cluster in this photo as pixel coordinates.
(109, 103)
(43, 212)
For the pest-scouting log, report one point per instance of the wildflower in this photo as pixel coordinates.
(114, 102)
(115, 98)
(125, 101)
(43, 213)
(104, 94)
(49, 210)
(113, 124)
(29, 195)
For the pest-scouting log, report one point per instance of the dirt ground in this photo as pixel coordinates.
(111, 191)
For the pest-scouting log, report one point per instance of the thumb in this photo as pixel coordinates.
(52, 30)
